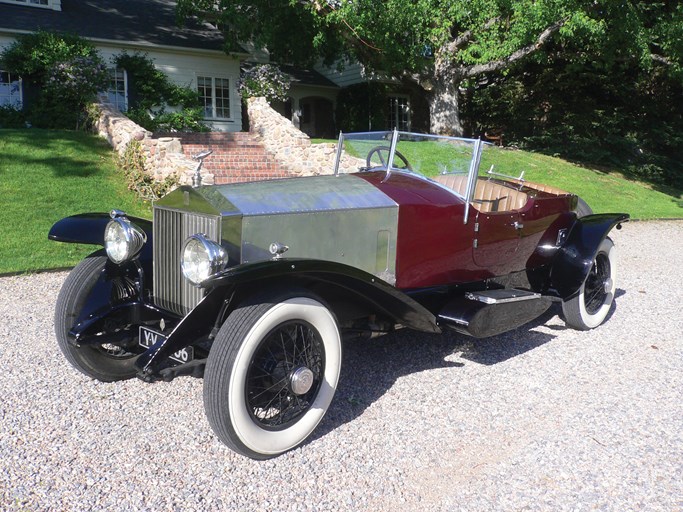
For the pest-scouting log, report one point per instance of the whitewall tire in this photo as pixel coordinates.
(590, 307)
(271, 374)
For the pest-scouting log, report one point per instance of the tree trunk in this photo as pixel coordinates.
(444, 108)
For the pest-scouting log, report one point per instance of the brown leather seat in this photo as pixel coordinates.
(489, 196)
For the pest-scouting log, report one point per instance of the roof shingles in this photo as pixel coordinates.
(147, 22)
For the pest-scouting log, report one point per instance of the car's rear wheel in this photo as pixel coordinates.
(104, 362)
(590, 307)
(271, 374)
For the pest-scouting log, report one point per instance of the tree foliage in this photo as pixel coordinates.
(439, 44)
(289, 29)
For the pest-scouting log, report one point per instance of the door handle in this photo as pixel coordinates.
(518, 225)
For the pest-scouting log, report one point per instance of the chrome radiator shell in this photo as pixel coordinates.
(335, 218)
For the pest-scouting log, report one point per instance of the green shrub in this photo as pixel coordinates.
(11, 117)
(362, 106)
(150, 92)
(132, 164)
(62, 72)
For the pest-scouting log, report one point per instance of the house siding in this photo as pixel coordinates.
(182, 68)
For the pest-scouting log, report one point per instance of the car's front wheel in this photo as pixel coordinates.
(104, 362)
(590, 307)
(271, 374)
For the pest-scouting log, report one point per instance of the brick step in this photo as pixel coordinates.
(227, 168)
(236, 157)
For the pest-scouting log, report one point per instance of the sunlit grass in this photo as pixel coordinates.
(46, 175)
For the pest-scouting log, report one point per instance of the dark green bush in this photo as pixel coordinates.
(62, 74)
(361, 107)
(11, 117)
(611, 114)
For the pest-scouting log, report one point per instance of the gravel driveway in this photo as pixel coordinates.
(543, 418)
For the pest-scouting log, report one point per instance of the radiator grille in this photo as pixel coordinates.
(171, 228)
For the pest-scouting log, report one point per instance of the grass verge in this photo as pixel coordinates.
(46, 175)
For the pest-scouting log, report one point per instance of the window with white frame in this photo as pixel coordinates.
(399, 113)
(215, 95)
(117, 92)
(10, 90)
(50, 4)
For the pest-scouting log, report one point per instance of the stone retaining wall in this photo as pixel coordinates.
(163, 156)
(289, 146)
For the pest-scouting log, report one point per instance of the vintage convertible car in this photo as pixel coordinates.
(254, 285)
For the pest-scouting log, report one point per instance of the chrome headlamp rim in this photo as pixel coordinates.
(134, 238)
(216, 257)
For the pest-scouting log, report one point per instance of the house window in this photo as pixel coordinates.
(215, 94)
(10, 90)
(30, 2)
(117, 92)
(399, 113)
(50, 4)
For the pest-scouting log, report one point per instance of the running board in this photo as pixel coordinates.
(474, 317)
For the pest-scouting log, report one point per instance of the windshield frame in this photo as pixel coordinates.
(472, 172)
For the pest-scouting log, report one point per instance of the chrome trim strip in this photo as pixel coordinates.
(472, 179)
(392, 152)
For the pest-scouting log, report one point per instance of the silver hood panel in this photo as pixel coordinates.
(294, 195)
(335, 218)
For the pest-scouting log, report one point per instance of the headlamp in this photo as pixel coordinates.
(123, 240)
(201, 258)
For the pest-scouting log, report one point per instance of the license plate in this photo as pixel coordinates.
(148, 337)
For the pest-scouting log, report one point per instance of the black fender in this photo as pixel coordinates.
(117, 305)
(574, 259)
(334, 277)
(118, 295)
(88, 228)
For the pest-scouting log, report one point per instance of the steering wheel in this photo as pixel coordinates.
(380, 150)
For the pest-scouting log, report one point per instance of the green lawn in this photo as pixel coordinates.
(603, 191)
(46, 175)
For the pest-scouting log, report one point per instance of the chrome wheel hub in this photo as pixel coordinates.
(301, 380)
(608, 285)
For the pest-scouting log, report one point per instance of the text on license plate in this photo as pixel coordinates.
(148, 337)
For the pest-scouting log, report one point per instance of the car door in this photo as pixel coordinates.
(496, 241)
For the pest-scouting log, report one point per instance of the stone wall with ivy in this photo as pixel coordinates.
(162, 158)
(291, 147)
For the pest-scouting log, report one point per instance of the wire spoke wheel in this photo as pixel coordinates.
(597, 284)
(271, 374)
(285, 375)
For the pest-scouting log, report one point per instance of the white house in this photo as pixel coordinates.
(192, 55)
